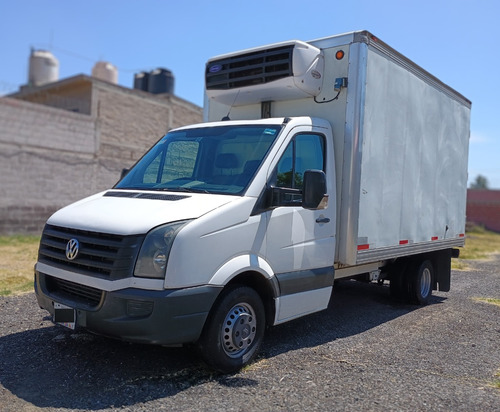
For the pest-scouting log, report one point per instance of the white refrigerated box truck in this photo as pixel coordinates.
(330, 159)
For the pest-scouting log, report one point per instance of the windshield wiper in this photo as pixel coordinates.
(183, 189)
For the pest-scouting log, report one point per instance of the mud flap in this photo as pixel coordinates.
(442, 269)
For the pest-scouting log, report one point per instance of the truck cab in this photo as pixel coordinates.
(210, 208)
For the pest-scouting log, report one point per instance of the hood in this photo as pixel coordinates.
(132, 212)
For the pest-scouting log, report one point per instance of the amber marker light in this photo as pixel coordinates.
(339, 55)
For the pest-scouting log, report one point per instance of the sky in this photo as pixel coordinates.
(455, 40)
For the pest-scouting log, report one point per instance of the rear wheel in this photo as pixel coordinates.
(420, 282)
(234, 329)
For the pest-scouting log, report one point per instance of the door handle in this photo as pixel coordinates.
(322, 219)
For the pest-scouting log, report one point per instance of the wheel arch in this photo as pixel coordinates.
(252, 271)
(266, 288)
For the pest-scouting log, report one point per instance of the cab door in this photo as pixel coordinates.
(301, 242)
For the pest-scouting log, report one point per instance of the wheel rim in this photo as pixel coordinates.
(238, 330)
(425, 283)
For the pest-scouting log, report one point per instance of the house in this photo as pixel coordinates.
(65, 140)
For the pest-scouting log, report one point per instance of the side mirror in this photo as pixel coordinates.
(314, 190)
(124, 173)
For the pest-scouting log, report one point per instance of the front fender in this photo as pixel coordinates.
(238, 265)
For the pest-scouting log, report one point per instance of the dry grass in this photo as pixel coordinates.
(17, 258)
(491, 301)
(480, 244)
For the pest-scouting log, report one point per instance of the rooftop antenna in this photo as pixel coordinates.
(226, 117)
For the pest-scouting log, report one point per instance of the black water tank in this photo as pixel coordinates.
(161, 81)
(141, 81)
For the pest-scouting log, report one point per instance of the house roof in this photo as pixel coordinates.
(83, 80)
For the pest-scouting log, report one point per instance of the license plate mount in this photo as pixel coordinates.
(64, 315)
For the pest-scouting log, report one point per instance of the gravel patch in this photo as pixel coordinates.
(364, 352)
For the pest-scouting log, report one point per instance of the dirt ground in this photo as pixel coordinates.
(364, 353)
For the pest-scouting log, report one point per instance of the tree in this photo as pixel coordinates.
(480, 183)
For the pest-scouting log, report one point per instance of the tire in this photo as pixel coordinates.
(420, 282)
(234, 330)
(398, 284)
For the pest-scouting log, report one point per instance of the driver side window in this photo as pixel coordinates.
(305, 152)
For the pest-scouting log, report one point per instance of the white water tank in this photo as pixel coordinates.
(43, 68)
(105, 71)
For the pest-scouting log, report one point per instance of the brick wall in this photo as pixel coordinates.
(51, 157)
(483, 208)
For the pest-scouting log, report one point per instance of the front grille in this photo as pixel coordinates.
(100, 254)
(65, 290)
(249, 69)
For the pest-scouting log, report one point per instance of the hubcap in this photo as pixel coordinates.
(239, 330)
(425, 284)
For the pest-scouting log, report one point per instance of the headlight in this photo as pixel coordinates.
(153, 257)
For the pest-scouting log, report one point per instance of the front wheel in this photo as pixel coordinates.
(234, 329)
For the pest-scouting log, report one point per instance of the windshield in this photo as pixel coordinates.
(221, 159)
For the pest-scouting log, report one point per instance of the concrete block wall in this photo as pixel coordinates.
(44, 153)
(130, 122)
(51, 157)
(25, 124)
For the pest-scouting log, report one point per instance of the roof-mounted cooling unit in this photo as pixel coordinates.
(290, 70)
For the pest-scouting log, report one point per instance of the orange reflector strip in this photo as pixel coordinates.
(434, 238)
(403, 242)
(363, 247)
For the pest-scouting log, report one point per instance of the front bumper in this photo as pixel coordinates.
(168, 317)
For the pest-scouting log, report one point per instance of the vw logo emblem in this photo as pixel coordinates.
(72, 249)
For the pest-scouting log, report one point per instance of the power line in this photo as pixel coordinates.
(89, 59)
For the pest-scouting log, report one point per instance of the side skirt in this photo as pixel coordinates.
(300, 304)
(303, 292)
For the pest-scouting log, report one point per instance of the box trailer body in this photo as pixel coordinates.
(401, 148)
(330, 159)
